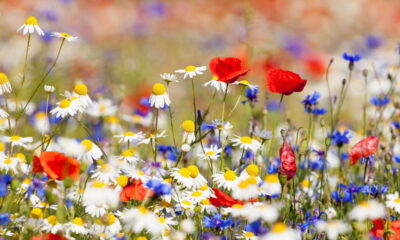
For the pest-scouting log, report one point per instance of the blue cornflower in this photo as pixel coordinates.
(4, 218)
(351, 57)
(310, 103)
(373, 42)
(273, 105)
(4, 181)
(256, 228)
(251, 95)
(379, 101)
(340, 138)
(158, 187)
(273, 167)
(216, 221)
(319, 111)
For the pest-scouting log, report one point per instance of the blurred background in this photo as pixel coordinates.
(124, 45)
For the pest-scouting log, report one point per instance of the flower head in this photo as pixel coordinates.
(284, 82)
(227, 69)
(30, 26)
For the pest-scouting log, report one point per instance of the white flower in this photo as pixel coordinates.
(226, 180)
(81, 91)
(49, 88)
(5, 86)
(3, 114)
(105, 173)
(139, 219)
(371, 209)
(188, 131)
(92, 151)
(130, 137)
(217, 85)
(17, 140)
(41, 122)
(191, 71)
(64, 35)
(188, 226)
(98, 197)
(213, 152)
(66, 107)
(280, 231)
(246, 143)
(102, 107)
(8, 164)
(77, 226)
(333, 228)
(159, 97)
(169, 77)
(393, 201)
(51, 224)
(246, 189)
(271, 185)
(30, 26)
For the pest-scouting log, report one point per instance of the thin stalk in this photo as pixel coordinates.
(271, 143)
(155, 137)
(194, 107)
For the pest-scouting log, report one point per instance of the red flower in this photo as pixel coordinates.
(56, 165)
(378, 230)
(227, 69)
(288, 160)
(364, 148)
(135, 191)
(284, 82)
(223, 199)
(49, 236)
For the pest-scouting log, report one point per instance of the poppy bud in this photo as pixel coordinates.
(288, 161)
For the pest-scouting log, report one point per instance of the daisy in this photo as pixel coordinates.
(371, 209)
(130, 137)
(101, 108)
(139, 219)
(167, 222)
(30, 26)
(49, 89)
(189, 177)
(213, 152)
(92, 151)
(3, 114)
(99, 197)
(23, 165)
(77, 226)
(236, 210)
(246, 189)
(266, 212)
(187, 205)
(111, 224)
(41, 122)
(82, 92)
(150, 137)
(393, 201)
(5, 86)
(105, 173)
(191, 71)
(198, 195)
(333, 228)
(8, 164)
(271, 185)
(280, 231)
(246, 83)
(66, 107)
(114, 124)
(226, 180)
(138, 174)
(17, 140)
(159, 97)
(169, 77)
(246, 143)
(188, 131)
(247, 236)
(217, 85)
(130, 157)
(51, 224)
(207, 207)
(65, 36)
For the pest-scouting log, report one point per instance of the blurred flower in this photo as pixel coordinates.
(217, 85)
(379, 101)
(159, 97)
(30, 26)
(393, 201)
(288, 160)
(333, 228)
(17, 140)
(140, 218)
(65, 36)
(280, 231)
(5, 86)
(49, 89)
(158, 187)
(57, 166)
(191, 71)
(227, 69)
(379, 230)
(169, 77)
(351, 57)
(285, 82)
(246, 143)
(371, 210)
(213, 152)
(341, 138)
(364, 148)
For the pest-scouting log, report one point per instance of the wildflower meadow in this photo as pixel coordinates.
(267, 142)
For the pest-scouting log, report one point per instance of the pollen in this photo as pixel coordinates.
(78, 221)
(127, 153)
(52, 220)
(37, 213)
(3, 78)
(129, 134)
(197, 194)
(81, 89)
(184, 172)
(88, 144)
(194, 171)
(122, 180)
(245, 140)
(15, 138)
(248, 234)
(188, 126)
(159, 89)
(252, 170)
(272, 178)
(65, 103)
(31, 21)
(229, 175)
(108, 219)
(190, 68)
(279, 227)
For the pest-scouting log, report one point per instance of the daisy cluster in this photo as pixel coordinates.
(75, 165)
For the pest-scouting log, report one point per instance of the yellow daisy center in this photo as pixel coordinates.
(229, 175)
(210, 153)
(245, 82)
(364, 204)
(159, 89)
(215, 78)
(237, 206)
(7, 161)
(188, 126)
(2, 147)
(112, 119)
(127, 153)
(88, 144)
(142, 210)
(397, 200)
(190, 68)
(279, 227)
(245, 140)
(243, 184)
(248, 234)
(104, 168)
(141, 173)
(184, 172)
(31, 21)
(122, 180)
(15, 138)
(161, 219)
(252, 170)
(186, 202)
(197, 194)
(37, 213)
(141, 238)
(204, 187)
(272, 178)
(98, 184)
(66, 35)
(205, 202)
(65, 103)
(194, 171)
(40, 115)
(52, 220)
(306, 183)
(80, 88)
(108, 219)
(129, 134)
(3, 78)
(251, 180)
(78, 221)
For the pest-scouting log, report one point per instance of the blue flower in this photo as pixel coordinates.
(216, 221)
(251, 95)
(396, 125)
(4, 181)
(310, 103)
(340, 138)
(256, 228)
(159, 187)
(4, 218)
(379, 101)
(373, 42)
(351, 57)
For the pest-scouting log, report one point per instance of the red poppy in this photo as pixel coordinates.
(223, 199)
(379, 229)
(135, 191)
(56, 165)
(49, 236)
(227, 69)
(284, 82)
(364, 148)
(288, 161)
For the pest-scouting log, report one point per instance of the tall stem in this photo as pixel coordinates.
(271, 144)
(26, 60)
(194, 107)
(155, 137)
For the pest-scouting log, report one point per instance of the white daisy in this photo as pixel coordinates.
(169, 77)
(271, 185)
(105, 173)
(371, 209)
(8, 164)
(191, 71)
(188, 131)
(393, 201)
(226, 180)
(49, 89)
(217, 85)
(98, 198)
(280, 231)
(246, 83)
(77, 226)
(246, 189)
(66, 107)
(17, 140)
(5, 86)
(139, 219)
(81, 91)
(102, 107)
(41, 122)
(333, 228)
(51, 224)
(213, 152)
(159, 97)
(130, 137)
(92, 151)
(246, 143)
(65, 36)
(30, 26)
(3, 114)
